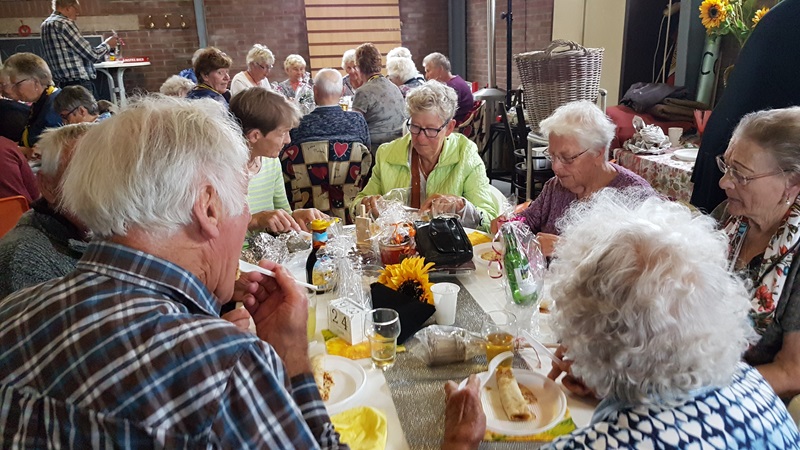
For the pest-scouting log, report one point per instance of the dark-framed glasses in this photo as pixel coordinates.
(65, 116)
(16, 85)
(737, 176)
(429, 132)
(565, 160)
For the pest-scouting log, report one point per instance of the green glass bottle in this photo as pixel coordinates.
(521, 282)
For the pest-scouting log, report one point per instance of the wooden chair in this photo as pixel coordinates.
(11, 209)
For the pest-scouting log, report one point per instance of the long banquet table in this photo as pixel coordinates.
(412, 395)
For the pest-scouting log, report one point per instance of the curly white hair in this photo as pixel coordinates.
(644, 302)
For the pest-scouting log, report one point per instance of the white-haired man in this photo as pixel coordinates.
(69, 55)
(129, 350)
(324, 163)
(437, 67)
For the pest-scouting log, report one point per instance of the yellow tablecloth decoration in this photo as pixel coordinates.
(362, 428)
(339, 347)
(566, 426)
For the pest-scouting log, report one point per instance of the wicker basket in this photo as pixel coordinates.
(557, 75)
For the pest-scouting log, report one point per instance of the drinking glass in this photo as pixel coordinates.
(444, 207)
(500, 330)
(311, 327)
(382, 327)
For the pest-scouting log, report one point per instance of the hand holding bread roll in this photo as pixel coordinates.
(323, 378)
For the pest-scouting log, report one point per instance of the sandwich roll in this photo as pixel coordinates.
(514, 403)
(322, 377)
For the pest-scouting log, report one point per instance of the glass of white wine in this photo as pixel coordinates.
(500, 330)
(311, 327)
(382, 327)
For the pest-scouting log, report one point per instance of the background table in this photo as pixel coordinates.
(667, 175)
(117, 88)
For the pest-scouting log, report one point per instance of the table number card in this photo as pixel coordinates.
(346, 320)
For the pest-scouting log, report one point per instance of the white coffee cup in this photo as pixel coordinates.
(444, 298)
(675, 134)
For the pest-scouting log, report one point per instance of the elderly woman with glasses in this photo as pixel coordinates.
(30, 81)
(761, 217)
(259, 62)
(352, 80)
(579, 135)
(655, 324)
(433, 161)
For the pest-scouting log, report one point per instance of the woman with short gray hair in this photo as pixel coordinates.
(403, 73)
(652, 321)
(579, 136)
(259, 62)
(351, 81)
(761, 177)
(433, 162)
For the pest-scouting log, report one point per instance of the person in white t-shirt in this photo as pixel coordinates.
(259, 62)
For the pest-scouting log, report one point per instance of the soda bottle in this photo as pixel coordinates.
(521, 282)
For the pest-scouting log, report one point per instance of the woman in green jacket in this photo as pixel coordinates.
(447, 164)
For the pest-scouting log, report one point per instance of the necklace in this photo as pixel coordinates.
(254, 166)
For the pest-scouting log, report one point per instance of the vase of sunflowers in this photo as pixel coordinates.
(737, 18)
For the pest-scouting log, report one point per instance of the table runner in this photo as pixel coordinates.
(418, 390)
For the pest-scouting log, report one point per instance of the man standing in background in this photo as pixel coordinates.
(70, 56)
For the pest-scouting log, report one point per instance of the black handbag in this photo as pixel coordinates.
(443, 242)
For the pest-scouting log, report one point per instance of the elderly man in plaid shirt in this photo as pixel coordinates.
(128, 350)
(70, 56)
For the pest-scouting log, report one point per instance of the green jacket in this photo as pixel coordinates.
(460, 171)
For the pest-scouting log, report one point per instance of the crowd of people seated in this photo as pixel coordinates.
(111, 285)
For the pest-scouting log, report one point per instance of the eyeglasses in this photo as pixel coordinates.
(737, 176)
(267, 67)
(15, 86)
(562, 159)
(429, 132)
(66, 116)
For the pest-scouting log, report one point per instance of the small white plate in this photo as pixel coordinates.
(549, 409)
(348, 380)
(686, 154)
(480, 249)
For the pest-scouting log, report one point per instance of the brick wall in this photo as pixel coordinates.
(532, 27)
(234, 25)
(424, 28)
(169, 50)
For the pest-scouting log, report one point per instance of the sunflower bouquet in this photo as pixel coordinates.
(409, 277)
(735, 17)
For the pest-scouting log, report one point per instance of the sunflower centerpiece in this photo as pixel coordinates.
(409, 277)
(735, 17)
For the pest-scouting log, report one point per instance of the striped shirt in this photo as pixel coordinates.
(129, 351)
(266, 191)
(68, 54)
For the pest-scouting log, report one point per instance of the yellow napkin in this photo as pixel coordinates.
(362, 428)
(339, 347)
(477, 238)
(566, 426)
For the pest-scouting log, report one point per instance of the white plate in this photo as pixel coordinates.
(686, 154)
(480, 249)
(549, 409)
(348, 380)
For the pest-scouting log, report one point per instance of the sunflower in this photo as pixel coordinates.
(410, 277)
(713, 12)
(758, 15)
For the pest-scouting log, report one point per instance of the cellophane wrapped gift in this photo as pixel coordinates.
(441, 344)
(348, 267)
(524, 266)
(265, 246)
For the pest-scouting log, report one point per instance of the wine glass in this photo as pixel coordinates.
(381, 328)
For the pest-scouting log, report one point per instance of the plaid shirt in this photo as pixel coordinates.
(128, 351)
(68, 54)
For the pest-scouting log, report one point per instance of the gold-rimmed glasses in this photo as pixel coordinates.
(737, 176)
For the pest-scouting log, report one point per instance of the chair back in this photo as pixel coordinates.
(11, 209)
(474, 125)
(325, 175)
